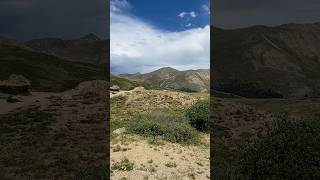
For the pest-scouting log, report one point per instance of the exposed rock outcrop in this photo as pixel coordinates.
(97, 87)
(16, 84)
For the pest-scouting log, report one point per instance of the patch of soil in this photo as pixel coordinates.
(162, 161)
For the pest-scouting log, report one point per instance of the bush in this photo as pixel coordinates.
(124, 165)
(289, 150)
(198, 115)
(171, 127)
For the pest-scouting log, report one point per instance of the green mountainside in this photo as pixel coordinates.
(46, 72)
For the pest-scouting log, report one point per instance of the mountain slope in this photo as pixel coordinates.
(87, 49)
(169, 78)
(260, 61)
(46, 72)
(123, 83)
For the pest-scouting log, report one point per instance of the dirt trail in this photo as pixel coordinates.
(36, 98)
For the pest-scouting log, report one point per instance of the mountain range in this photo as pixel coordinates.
(255, 62)
(88, 49)
(261, 61)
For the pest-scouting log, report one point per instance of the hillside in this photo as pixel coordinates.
(87, 49)
(154, 156)
(169, 78)
(123, 83)
(260, 61)
(46, 72)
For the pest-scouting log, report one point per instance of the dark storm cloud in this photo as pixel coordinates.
(52, 18)
(242, 13)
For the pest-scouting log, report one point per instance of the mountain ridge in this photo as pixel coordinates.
(88, 48)
(170, 78)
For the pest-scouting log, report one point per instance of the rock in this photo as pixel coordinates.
(12, 99)
(138, 89)
(114, 88)
(119, 131)
(16, 84)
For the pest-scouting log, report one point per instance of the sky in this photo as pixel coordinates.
(68, 19)
(147, 35)
(230, 14)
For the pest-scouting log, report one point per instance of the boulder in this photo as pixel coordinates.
(119, 131)
(139, 89)
(16, 84)
(114, 88)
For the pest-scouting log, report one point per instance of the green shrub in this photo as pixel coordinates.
(171, 127)
(198, 115)
(124, 165)
(289, 150)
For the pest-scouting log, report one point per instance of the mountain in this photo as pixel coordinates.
(261, 61)
(46, 72)
(169, 78)
(88, 49)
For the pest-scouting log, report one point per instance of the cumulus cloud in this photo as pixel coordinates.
(137, 46)
(184, 14)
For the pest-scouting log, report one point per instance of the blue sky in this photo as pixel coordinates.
(147, 35)
(164, 13)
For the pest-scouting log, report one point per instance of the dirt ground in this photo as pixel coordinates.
(54, 136)
(164, 161)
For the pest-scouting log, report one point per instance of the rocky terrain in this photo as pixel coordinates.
(169, 78)
(260, 61)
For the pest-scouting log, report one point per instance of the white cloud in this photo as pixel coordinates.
(184, 14)
(118, 5)
(137, 46)
(188, 25)
(206, 8)
(193, 14)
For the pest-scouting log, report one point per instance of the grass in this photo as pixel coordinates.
(307, 108)
(287, 149)
(123, 83)
(24, 136)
